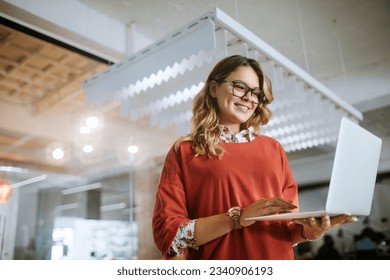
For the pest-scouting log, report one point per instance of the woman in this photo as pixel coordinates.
(224, 171)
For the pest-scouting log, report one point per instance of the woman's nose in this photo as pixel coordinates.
(247, 96)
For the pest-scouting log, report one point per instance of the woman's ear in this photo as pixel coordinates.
(213, 89)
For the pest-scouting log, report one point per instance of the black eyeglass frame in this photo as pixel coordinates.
(260, 97)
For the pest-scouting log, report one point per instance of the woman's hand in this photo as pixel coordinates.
(315, 228)
(264, 206)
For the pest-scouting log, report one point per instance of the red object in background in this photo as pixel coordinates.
(5, 191)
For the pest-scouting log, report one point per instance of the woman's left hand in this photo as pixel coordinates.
(315, 228)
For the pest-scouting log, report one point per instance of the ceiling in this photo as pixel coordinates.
(43, 107)
(344, 44)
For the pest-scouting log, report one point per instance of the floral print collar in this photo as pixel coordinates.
(227, 136)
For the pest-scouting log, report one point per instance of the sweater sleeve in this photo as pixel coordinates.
(289, 186)
(170, 210)
(290, 193)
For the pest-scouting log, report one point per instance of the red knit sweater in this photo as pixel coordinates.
(193, 187)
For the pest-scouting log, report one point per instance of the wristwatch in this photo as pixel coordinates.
(234, 213)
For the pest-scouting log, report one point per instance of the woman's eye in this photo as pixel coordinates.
(240, 87)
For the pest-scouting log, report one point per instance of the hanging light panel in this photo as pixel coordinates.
(161, 81)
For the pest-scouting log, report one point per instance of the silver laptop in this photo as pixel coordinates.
(353, 176)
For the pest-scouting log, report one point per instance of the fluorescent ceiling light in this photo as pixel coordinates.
(65, 207)
(82, 188)
(112, 207)
(29, 181)
(13, 169)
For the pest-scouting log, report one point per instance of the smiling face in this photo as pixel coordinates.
(233, 110)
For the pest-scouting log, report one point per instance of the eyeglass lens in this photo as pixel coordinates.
(240, 89)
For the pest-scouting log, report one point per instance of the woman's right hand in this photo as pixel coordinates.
(212, 227)
(263, 207)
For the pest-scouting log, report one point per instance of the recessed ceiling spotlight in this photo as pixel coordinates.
(88, 148)
(58, 153)
(133, 149)
(92, 122)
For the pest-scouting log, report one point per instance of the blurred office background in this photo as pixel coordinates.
(84, 168)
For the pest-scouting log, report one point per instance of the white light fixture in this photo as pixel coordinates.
(29, 181)
(82, 188)
(65, 207)
(58, 154)
(132, 149)
(92, 122)
(128, 152)
(88, 148)
(13, 169)
(112, 207)
(161, 80)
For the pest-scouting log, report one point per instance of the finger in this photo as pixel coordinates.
(267, 203)
(313, 221)
(281, 201)
(339, 219)
(278, 209)
(276, 205)
(325, 222)
(302, 221)
(270, 210)
(276, 201)
(345, 219)
(350, 219)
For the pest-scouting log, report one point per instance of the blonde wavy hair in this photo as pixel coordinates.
(205, 114)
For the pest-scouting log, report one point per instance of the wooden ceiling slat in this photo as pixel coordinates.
(43, 76)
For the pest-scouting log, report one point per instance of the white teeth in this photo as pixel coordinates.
(243, 108)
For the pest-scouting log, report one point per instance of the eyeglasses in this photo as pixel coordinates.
(241, 89)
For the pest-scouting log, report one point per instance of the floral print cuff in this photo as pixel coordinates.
(184, 238)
